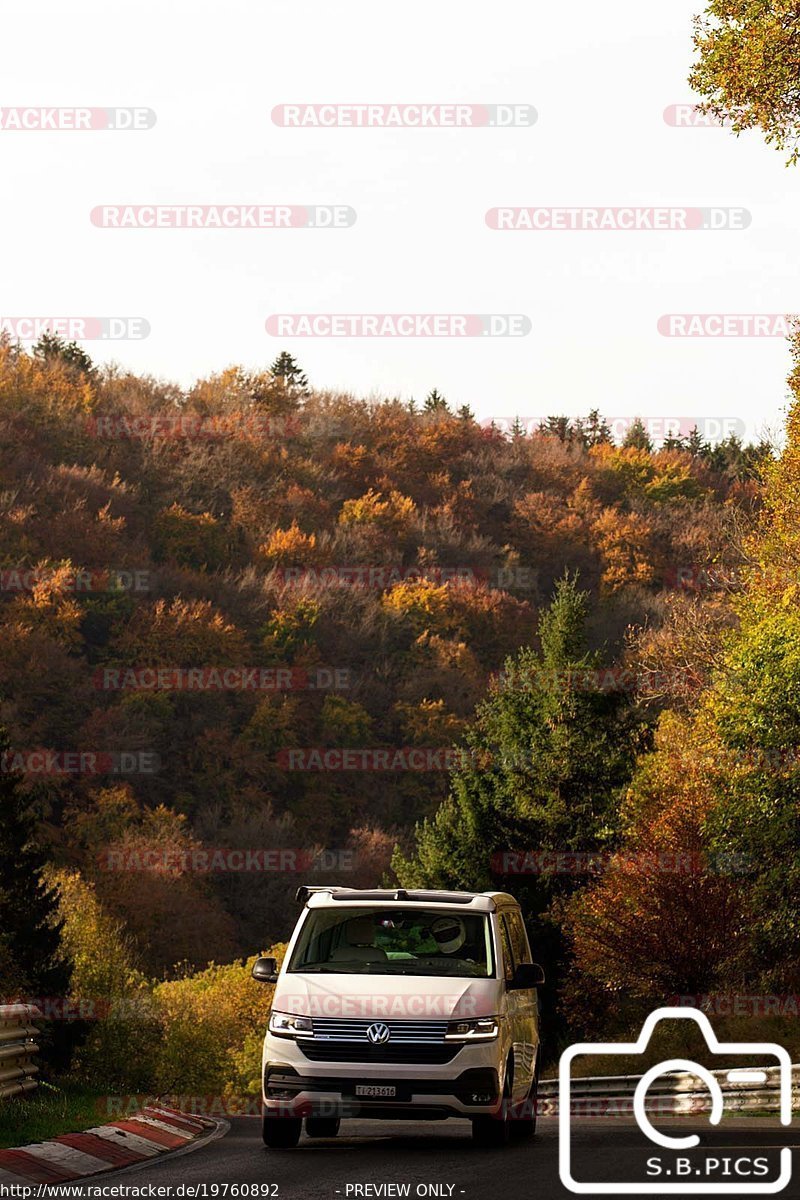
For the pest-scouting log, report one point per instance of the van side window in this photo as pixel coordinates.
(519, 938)
(508, 959)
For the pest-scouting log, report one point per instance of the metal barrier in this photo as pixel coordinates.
(677, 1092)
(18, 1072)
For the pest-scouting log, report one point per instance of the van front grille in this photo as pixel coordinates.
(347, 1030)
(343, 1040)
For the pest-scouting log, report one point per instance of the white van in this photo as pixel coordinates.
(416, 1005)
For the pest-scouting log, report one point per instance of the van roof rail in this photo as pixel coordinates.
(386, 895)
(306, 890)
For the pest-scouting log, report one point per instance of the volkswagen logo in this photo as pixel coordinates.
(379, 1033)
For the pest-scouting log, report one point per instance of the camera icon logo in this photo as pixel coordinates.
(694, 1178)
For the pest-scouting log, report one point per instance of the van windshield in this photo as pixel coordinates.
(402, 941)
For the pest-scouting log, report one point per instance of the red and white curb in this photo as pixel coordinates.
(151, 1132)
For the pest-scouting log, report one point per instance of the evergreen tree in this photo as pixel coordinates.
(596, 430)
(544, 763)
(51, 347)
(727, 456)
(287, 369)
(29, 933)
(673, 441)
(695, 444)
(559, 427)
(637, 437)
(435, 402)
(730, 457)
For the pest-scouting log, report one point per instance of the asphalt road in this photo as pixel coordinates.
(440, 1153)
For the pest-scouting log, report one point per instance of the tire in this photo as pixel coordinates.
(523, 1125)
(322, 1127)
(492, 1133)
(280, 1133)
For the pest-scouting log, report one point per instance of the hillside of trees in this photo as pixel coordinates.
(376, 563)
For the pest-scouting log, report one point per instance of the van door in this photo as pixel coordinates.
(523, 1008)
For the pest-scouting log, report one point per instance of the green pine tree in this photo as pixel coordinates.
(596, 429)
(637, 437)
(52, 347)
(29, 932)
(673, 441)
(695, 445)
(435, 402)
(545, 760)
(559, 427)
(287, 369)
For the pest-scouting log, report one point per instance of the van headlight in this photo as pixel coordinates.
(289, 1026)
(483, 1030)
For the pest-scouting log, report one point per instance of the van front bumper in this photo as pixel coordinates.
(289, 1093)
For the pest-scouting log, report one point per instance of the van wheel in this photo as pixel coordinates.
(281, 1133)
(523, 1124)
(491, 1133)
(322, 1127)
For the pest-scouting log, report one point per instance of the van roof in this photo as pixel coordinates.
(325, 897)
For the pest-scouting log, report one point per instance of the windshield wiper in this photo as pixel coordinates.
(319, 971)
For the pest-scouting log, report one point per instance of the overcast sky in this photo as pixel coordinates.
(599, 76)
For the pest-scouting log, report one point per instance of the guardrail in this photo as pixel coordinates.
(18, 1071)
(673, 1093)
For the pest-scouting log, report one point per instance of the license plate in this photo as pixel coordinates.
(378, 1091)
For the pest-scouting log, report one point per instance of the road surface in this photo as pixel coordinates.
(424, 1154)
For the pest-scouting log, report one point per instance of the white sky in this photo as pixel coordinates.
(600, 76)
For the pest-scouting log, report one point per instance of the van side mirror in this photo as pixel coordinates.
(526, 976)
(265, 970)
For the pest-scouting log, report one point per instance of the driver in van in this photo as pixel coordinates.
(449, 933)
